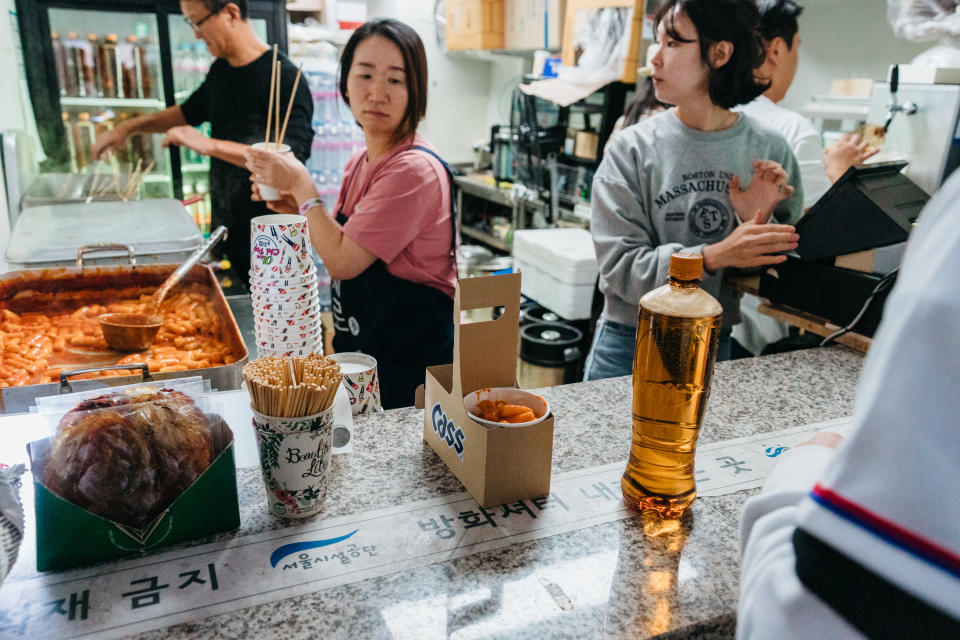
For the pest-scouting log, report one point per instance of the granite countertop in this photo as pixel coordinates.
(609, 580)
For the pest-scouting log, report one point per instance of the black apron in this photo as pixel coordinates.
(406, 326)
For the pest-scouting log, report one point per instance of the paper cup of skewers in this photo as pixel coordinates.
(273, 128)
(292, 400)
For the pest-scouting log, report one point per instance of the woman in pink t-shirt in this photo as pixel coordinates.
(390, 246)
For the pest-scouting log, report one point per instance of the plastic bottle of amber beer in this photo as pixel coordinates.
(677, 335)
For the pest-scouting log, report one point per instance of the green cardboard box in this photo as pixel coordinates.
(69, 536)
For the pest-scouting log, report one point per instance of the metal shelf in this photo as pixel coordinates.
(195, 167)
(836, 108)
(486, 238)
(475, 186)
(126, 103)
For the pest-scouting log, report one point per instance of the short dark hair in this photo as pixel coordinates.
(217, 5)
(734, 21)
(414, 67)
(778, 19)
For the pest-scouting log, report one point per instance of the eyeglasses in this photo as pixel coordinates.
(199, 23)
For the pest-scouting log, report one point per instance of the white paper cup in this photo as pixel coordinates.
(284, 320)
(280, 246)
(308, 278)
(286, 340)
(271, 304)
(311, 312)
(295, 343)
(297, 327)
(267, 192)
(295, 461)
(313, 327)
(510, 395)
(360, 380)
(287, 293)
(291, 352)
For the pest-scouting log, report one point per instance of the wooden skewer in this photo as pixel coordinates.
(276, 121)
(66, 184)
(286, 118)
(132, 181)
(273, 79)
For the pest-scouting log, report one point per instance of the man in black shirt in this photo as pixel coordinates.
(234, 98)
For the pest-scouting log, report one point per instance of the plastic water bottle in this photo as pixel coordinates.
(677, 335)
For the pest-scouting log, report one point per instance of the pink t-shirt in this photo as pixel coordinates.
(398, 208)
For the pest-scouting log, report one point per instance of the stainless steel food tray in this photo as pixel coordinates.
(54, 290)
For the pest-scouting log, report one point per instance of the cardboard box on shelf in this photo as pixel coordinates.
(496, 465)
(474, 24)
(879, 260)
(534, 24)
(70, 536)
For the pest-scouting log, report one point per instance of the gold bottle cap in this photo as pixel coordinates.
(132, 38)
(72, 35)
(83, 116)
(686, 266)
(92, 37)
(111, 38)
(64, 115)
(54, 35)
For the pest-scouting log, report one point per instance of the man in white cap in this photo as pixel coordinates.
(863, 538)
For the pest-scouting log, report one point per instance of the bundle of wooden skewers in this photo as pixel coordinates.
(112, 186)
(274, 94)
(292, 387)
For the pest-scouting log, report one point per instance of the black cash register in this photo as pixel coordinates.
(868, 207)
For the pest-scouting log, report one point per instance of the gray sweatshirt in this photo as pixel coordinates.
(664, 187)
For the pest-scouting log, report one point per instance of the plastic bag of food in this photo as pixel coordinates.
(195, 386)
(925, 20)
(127, 455)
(11, 516)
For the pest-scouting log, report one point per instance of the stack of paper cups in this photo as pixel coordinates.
(283, 286)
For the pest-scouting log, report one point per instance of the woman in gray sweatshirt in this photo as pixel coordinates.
(672, 182)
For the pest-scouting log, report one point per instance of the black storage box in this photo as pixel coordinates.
(824, 290)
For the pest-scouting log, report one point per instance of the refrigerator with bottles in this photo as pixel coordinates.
(91, 64)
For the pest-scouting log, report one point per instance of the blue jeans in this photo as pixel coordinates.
(611, 353)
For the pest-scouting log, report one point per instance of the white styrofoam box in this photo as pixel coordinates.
(559, 268)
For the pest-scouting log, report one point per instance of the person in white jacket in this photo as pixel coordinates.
(863, 539)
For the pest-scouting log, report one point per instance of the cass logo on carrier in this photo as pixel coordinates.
(449, 432)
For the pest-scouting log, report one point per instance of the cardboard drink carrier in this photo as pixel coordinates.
(496, 465)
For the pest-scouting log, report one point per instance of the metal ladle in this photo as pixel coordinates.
(136, 331)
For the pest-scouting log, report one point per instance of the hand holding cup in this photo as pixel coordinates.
(274, 169)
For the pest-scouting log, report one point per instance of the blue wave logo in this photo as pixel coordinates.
(773, 452)
(282, 552)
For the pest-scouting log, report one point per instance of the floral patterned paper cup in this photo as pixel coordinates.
(295, 461)
(280, 246)
(360, 380)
